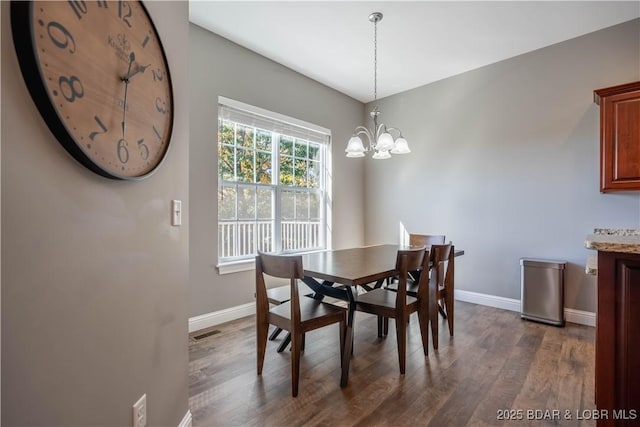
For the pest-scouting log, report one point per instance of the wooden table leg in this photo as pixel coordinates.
(348, 338)
(283, 345)
(275, 334)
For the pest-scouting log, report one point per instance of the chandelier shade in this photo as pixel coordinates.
(401, 146)
(380, 139)
(381, 155)
(385, 142)
(355, 147)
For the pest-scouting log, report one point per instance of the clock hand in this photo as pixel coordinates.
(125, 79)
(140, 69)
(132, 57)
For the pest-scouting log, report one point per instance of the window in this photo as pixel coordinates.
(272, 174)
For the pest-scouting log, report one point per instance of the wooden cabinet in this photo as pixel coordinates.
(619, 137)
(618, 339)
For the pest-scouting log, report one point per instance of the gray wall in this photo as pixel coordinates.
(221, 68)
(505, 163)
(94, 284)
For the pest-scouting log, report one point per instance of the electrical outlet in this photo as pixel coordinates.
(140, 412)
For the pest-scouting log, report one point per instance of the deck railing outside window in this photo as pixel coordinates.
(243, 238)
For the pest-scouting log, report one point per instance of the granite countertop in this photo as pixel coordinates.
(592, 265)
(610, 240)
(617, 231)
(627, 241)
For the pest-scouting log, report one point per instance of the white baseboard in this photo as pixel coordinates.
(186, 420)
(217, 317)
(488, 300)
(574, 316)
(580, 317)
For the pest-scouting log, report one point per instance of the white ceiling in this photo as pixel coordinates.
(419, 42)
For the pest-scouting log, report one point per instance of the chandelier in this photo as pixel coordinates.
(380, 141)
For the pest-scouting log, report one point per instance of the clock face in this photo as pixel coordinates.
(98, 74)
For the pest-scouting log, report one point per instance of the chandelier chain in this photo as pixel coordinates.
(375, 59)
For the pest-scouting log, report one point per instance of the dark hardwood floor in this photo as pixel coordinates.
(495, 362)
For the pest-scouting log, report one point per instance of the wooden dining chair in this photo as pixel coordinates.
(416, 240)
(298, 315)
(441, 290)
(397, 305)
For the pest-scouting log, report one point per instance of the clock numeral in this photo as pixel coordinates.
(145, 41)
(71, 84)
(79, 7)
(102, 3)
(144, 150)
(56, 30)
(158, 75)
(124, 7)
(157, 133)
(161, 106)
(92, 135)
(123, 151)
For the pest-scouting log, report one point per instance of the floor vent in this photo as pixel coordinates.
(205, 335)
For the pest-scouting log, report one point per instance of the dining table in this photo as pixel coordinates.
(336, 274)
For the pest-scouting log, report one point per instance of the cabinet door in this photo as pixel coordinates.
(620, 142)
(618, 338)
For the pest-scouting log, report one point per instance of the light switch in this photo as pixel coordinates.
(176, 212)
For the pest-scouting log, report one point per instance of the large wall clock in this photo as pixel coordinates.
(99, 76)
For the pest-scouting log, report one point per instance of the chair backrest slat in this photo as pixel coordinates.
(280, 266)
(440, 255)
(414, 257)
(408, 260)
(426, 239)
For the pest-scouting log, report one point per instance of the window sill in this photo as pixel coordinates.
(250, 264)
(236, 267)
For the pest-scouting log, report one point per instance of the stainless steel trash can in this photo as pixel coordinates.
(542, 287)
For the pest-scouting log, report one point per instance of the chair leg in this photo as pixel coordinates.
(386, 326)
(434, 329)
(449, 303)
(343, 332)
(380, 321)
(401, 335)
(423, 320)
(262, 330)
(302, 342)
(433, 317)
(275, 334)
(296, 343)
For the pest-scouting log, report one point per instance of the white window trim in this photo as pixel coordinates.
(238, 266)
(272, 115)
